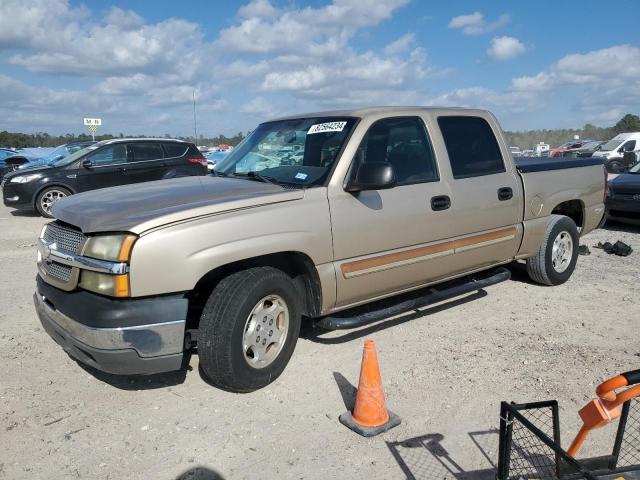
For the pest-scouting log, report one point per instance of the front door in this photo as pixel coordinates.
(393, 239)
(106, 169)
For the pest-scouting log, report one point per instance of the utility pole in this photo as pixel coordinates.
(195, 125)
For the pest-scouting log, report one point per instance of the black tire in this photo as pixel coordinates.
(222, 327)
(41, 203)
(540, 267)
(615, 167)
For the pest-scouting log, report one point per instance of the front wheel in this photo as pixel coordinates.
(555, 261)
(248, 329)
(47, 197)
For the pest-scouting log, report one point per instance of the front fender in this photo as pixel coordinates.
(175, 258)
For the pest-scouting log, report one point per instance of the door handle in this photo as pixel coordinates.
(440, 202)
(505, 193)
(122, 169)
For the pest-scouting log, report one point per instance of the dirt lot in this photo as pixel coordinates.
(445, 371)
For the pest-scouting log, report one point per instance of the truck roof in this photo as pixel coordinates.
(376, 111)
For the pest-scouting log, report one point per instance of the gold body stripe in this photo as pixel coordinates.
(414, 255)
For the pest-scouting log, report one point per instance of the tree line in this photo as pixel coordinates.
(41, 139)
(527, 139)
(524, 140)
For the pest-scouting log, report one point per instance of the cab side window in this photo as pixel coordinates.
(403, 143)
(109, 155)
(629, 146)
(174, 149)
(147, 151)
(472, 147)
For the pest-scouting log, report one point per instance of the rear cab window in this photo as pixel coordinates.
(472, 146)
(143, 151)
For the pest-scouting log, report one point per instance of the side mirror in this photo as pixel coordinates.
(372, 176)
(87, 164)
(621, 149)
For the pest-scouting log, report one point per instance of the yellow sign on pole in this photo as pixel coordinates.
(93, 124)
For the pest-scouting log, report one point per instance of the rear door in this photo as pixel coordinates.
(487, 193)
(146, 162)
(107, 169)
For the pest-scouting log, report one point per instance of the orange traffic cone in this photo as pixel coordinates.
(370, 415)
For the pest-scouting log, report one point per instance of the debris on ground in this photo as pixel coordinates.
(619, 248)
(584, 250)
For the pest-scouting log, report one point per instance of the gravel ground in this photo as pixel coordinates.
(445, 371)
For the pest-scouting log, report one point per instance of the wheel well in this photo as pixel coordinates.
(297, 265)
(574, 209)
(40, 190)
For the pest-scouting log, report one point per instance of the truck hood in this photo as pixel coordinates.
(143, 206)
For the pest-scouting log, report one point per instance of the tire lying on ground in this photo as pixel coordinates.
(47, 197)
(248, 329)
(555, 261)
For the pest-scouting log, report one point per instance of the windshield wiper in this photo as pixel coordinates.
(257, 177)
(218, 174)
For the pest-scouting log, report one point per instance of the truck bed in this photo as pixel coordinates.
(543, 164)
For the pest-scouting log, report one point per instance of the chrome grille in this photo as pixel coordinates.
(59, 271)
(65, 238)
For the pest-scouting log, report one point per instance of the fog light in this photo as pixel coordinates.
(15, 198)
(105, 284)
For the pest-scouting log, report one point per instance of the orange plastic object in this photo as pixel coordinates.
(370, 409)
(603, 410)
(370, 415)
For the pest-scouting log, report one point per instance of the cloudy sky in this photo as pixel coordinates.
(136, 64)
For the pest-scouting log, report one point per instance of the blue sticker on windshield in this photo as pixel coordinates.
(301, 176)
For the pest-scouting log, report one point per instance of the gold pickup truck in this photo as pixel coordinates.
(309, 216)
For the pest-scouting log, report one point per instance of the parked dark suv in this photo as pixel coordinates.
(105, 164)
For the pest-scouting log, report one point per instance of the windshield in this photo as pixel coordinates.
(612, 144)
(295, 152)
(74, 156)
(62, 150)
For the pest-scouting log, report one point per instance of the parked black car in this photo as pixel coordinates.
(105, 164)
(20, 160)
(623, 201)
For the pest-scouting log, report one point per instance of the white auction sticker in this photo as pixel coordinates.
(327, 127)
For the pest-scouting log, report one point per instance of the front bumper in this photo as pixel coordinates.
(17, 195)
(623, 209)
(134, 336)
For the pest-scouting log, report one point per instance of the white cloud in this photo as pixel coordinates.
(400, 45)
(505, 48)
(475, 23)
(306, 53)
(315, 31)
(259, 107)
(616, 67)
(596, 95)
(51, 36)
(258, 8)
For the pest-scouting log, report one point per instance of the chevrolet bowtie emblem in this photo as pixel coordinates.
(45, 250)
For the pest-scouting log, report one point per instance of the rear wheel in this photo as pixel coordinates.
(555, 261)
(248, 329)
(48, 197)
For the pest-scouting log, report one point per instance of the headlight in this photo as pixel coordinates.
(25, 178)
(115, 248)
(105, 284)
